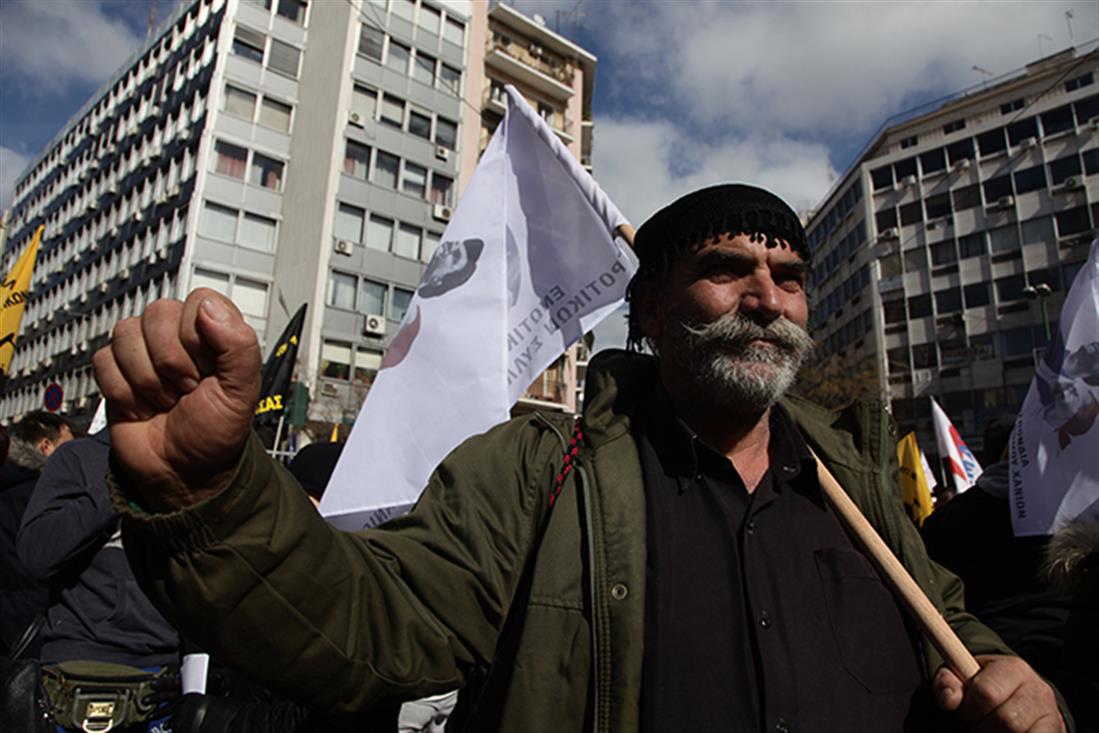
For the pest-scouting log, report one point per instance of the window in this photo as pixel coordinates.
(239, 102)
(977, 294)
(292, 10)
(1019, 131)
(1004, 239)
(414, 180)
(912, 213)
(1030, 179)
(1057, 120)
(933, 161)
(404, 8)
(424, 69)
(385, 169)
(904, 168)
(997, 188)
(1079, 82)
(954, 126)
(398, 304)
(398, 57)
(367, 365)
(972, 245)
(944, 253)
(1091, 161)
(967, 197)
(909, 142)
(335, 359)
(442, 189)
(919, 306)
(992, 142)
(266, 172)
(948, 300)
(431, 243)
(392, 110)
(250, 296)
(1038, 231)
(1012, 106)
(897, 359)
(446, 133)
(454, 31)
(284, 58)
(938, 206)
(371, 42)
(356, 160)
(379, 233)
(886, 218)
(915, 260)
(1010, 288)
(210, 279)
(419, 124)
(961, 150)
(1018, 341)
(1063, 168)
(430, 20)
(1072, 221)
(882, 177)
(249, 44)
(218, 222)
(408, 241)
(894, 311)
(372, 297)
(230, 160)
(363, 101)
(1086, 109)
(274, 114)
(349, 223)
(341, 290)
(891, 265)
(257, 232)
(450, 79)
(924, 356)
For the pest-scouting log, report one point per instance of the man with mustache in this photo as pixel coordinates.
(672, 566)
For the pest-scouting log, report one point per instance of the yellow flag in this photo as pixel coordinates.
(13, 296)
(917, 497)
(335, 437)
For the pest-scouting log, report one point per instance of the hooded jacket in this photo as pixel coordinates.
(537, 611)
(22, 596)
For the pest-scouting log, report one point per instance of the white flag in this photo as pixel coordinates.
(932, 482)
(528, 264)
(962, 468)
(1055, 444)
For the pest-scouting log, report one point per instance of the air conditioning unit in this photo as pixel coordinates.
(175, 191)
(1071, 182)
(933, 224)
(963, 164)
(1005, 202)
(82, 402)
(92, 206)
(355, 119)
(183, 134)
(153, 257)
(536, 50)
(330, 390)
(161, 199)
(1027, 143)
(155, 110)
(373, 325)
(441, 212)
(113, 232)
(442, 153)
(125, 273)
(908, 181)
(112, 189)
(345, 247)
(83, 297)
(138, 216)
(890, 233)
(103, 287)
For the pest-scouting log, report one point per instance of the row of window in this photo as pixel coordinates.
(1005, 344)
(986, 403)
(236, 161)
(249, 294)
(390, 171)
(343, 361)
(379, 46)
(821, 229)
(851, 332)
(244, 228)
(826, 267)
(395, 112)
(77, 385)
(428, 19)
(148, 65)
(292, 10)
(841, 294)
(354, 293)
(991, 142)
(384, 234)
(278, 56)
(244, 103)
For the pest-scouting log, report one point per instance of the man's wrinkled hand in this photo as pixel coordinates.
(181, 383)
(1005, 695)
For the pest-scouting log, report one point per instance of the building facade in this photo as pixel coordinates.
(945, 252)
(279, 151)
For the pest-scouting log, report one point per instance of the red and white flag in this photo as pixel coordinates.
(962, 468)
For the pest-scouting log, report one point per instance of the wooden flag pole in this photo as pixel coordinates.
(919, 605)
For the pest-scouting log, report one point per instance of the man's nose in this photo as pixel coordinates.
(761, 299)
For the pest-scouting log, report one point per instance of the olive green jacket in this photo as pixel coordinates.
(481, 572)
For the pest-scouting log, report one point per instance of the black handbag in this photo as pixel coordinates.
(23, 707)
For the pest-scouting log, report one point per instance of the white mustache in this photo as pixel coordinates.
(737, 330)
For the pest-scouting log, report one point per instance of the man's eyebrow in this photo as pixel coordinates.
(728, 256)
(797, 267)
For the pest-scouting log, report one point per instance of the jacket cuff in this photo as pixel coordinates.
(204, 523)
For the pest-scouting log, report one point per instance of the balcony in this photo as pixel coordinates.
(535, 71)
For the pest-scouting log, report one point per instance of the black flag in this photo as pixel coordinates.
(278, 372)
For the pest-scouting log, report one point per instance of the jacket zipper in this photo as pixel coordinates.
(599, 658)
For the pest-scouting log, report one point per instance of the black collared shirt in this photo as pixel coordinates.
(760, 613)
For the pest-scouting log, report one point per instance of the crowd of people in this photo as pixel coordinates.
(665, 561)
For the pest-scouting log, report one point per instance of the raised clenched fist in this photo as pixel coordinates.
(181, 383)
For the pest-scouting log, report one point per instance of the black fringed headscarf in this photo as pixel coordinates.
(728, 208)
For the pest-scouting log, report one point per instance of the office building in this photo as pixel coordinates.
(950, 243)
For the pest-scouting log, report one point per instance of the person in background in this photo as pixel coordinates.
(22, 596)
(101, 631)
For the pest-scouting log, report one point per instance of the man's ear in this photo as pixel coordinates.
(44, 446)
(645, 299)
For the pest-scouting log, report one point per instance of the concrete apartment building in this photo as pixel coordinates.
(938, 252)
(279, 151)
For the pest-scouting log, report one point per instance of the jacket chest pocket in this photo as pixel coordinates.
(866, 622)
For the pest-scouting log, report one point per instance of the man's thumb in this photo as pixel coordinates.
(233, 345)
(948, 688)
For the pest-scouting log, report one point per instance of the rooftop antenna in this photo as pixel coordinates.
(985, 73)
(1042, 36)
(1068, 20)
(152, 20)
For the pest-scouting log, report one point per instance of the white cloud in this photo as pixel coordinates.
(823, 68)
(12, 164)
(49, 45)
(644, 165)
